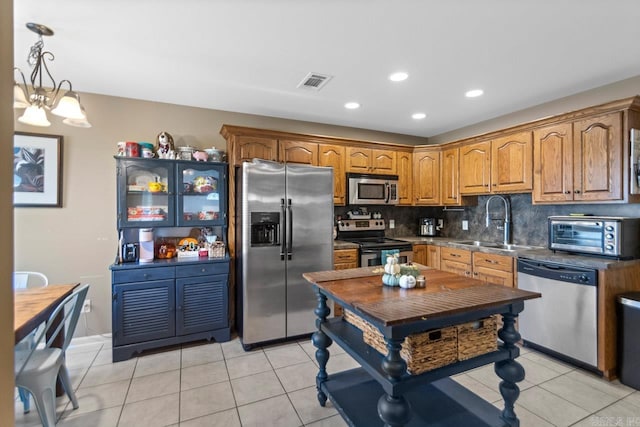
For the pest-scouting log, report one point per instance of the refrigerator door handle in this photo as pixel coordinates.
(290, 232)
(283, 228)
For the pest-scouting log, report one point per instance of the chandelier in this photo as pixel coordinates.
(36, 98)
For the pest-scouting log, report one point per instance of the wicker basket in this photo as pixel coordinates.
(476, 338)
(422, 351)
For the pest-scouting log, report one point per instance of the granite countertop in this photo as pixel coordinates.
(341, 244)
(536, 253)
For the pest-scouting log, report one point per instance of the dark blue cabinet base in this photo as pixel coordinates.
(168, 303)
(124, 352)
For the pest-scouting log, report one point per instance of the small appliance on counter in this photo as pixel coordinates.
(608, 236)
(427, 227)
(146, 245)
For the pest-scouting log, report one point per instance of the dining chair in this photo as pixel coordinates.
(23, 280)
(37, 368)
(29, 279)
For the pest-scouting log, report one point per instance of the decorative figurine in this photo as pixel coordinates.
(164, 144)
(200, 156)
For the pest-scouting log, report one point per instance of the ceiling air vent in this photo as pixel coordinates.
(314, 81)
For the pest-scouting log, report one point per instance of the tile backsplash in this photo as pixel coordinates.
(529, 222)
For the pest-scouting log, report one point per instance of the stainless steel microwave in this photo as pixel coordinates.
(368, 189)
(617, 237)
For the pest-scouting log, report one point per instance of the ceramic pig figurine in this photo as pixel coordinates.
(200, 156)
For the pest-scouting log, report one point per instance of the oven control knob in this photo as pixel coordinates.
(609, 236)
(609, 247)
(609, 228)
(583, 278)
(346, 224)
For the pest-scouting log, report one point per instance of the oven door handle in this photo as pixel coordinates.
(369, 251)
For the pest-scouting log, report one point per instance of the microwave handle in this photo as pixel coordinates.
(388, 193)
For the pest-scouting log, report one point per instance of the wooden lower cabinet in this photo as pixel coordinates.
(428, 255)
(493, 268)
(420, 254)
(456, 261)
(343, 259)
(488, 267)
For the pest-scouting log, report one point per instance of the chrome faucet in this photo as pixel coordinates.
(506, 219)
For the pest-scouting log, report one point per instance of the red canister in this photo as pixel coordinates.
(132, 149)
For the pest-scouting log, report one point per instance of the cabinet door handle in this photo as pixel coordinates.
(490, 261)
(455, 255)
(567, 192)
(577, 191)
(475, 274)
(204, 270)
(495, 185)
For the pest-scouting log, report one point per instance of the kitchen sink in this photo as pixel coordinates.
(494, 245)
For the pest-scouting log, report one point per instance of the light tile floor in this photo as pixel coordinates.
(212, 384)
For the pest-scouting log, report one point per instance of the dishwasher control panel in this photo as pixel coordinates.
(560, 272)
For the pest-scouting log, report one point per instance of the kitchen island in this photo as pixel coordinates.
(382, 392)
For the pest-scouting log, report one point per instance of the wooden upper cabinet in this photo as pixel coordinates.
(334, 156)
(597, 158)
(368, 160)
(511, 163)
(579, 161)
(405, 177)
(450, 185)
(383, 162)
(298, 152)
(475, 168)
(553, 164)
(503, 165)
(252, 147)
(426, 177)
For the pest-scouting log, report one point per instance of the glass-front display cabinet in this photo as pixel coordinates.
(201, 193)
(146, 193)
(169, 193)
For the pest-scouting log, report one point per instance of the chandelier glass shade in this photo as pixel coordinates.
(36, 98)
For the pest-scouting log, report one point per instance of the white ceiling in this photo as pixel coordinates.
(249, 55)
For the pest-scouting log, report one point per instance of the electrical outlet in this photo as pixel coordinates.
(86, 306)
(392, 223)
(440, 223)
(465, 225)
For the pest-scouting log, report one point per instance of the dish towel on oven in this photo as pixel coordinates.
(384, 254)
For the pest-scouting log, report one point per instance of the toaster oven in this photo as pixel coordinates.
(617, 237)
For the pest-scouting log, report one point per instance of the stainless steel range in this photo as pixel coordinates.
(369, 235)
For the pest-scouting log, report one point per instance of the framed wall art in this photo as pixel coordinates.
(37, 170)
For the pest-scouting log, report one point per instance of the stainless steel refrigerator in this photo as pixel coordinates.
(284, 227)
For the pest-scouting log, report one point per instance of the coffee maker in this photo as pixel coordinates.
(426, 227)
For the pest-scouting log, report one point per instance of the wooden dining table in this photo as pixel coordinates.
(33, 306)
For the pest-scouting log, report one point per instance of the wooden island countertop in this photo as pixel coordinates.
(445, 294)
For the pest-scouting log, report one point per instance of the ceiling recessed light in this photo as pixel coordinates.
(351, 105)
(474, 93)
(398, 77)
(418, 116)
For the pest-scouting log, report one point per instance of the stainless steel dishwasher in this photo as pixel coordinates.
(564, 321)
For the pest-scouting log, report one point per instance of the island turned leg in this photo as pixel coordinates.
(509, 370)
(395, 411)
(321, 341)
